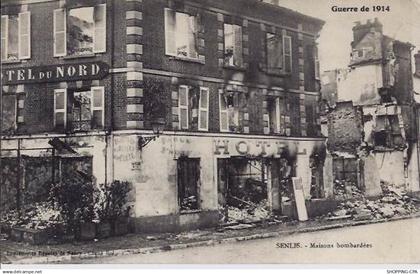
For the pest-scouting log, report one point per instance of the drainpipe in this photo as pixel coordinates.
(109, 135)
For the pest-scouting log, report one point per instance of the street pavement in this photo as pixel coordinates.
(390, 242)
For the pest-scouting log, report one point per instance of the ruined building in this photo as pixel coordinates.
(372, 131)
(86, 82)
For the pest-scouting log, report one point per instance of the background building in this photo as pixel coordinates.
(374, 120)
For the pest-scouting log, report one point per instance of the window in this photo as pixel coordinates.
(82, 110)
(80, 31)
(181, 34)
(361, 53)
(274, 115)
(274, 51)
(16, 36)
(188, 183)
(233, 45)
(203, 113)
(287, 53)
(183, 107)
(229, 114)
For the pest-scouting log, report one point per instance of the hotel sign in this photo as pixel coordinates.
(55, 73)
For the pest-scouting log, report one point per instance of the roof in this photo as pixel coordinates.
(311, 18)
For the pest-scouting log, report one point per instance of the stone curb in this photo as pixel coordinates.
(163, 248)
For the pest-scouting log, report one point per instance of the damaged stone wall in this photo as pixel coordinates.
(344, 128)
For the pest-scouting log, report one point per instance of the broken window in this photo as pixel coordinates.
(80, 31)
(188, 183)
(181, 34)
(233, 45)
(387, 133)
(274, 51)
(82, 110)
(16, 36)
(229, 112)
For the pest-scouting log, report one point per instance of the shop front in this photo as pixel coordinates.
(184, 182)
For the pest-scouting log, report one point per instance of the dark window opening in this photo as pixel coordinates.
(188, 183)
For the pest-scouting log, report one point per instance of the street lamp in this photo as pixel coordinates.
(157, 127)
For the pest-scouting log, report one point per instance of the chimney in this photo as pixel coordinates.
(417, 62)
(360, 30)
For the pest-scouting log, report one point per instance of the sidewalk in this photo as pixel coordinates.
(20, 253)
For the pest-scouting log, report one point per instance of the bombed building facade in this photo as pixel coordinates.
(85, 82)
(373, 122)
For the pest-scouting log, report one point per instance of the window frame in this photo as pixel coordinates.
(64, 110)
(185, 107)
(226, 111)
(200, 109)
(289, 38)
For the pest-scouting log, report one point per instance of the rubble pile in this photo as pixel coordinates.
(344, 189)
(393, 202)
(249, 213)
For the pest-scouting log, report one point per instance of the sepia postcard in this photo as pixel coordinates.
(210, 132)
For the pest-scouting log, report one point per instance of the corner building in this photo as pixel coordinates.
(238, 92)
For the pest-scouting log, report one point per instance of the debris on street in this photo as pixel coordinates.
(393, 202)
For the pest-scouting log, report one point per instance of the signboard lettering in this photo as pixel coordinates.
(54, 73)
(256, 148)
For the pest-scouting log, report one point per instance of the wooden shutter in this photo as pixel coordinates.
(24, 35)
(99, 37)
(316, 60)
(170, 32)
(97, 108)
(4, 36)
(224, 117)
(237, 52)
(203, 113)
(183, 107)
(60, 108)
(287, 53)
(60, 31)
(278, 115)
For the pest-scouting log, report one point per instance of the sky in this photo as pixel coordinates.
(402, 22)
